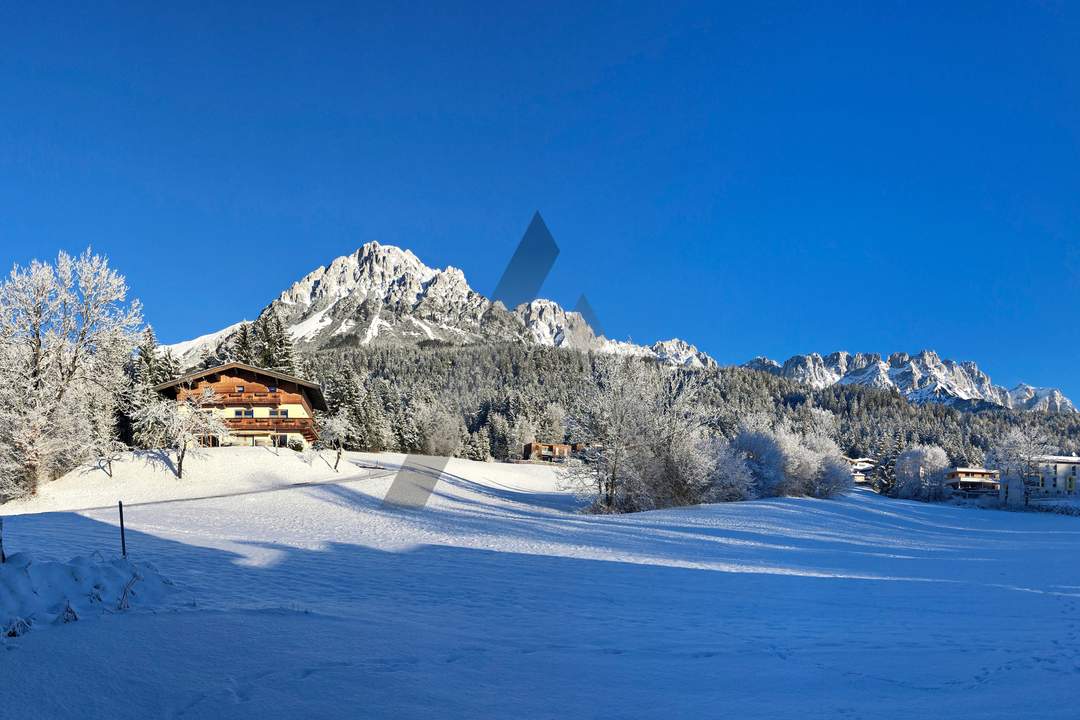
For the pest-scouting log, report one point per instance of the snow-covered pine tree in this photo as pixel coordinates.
(243, 344)
(264, 340)
(167, 367)
(272, 347)
(404, 425)
(370, 423)
(284, 355)
(478, 445)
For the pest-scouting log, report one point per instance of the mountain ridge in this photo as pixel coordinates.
(921, 378)
(383, 294)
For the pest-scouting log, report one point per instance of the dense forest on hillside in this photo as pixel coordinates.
(495, 389)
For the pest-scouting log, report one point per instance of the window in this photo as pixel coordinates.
(239, 388)
(238, 413)
(271, 388)
(249, 413)
(279, 413)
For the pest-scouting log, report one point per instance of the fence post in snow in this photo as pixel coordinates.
(123, 539)
(3, 557)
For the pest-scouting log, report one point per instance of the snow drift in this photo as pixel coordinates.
(49, 592)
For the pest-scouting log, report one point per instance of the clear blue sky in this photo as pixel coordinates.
(758, 180)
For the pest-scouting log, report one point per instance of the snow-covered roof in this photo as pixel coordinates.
(316, 390)
(1073, 459)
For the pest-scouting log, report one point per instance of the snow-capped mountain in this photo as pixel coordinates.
(383, 294)
(1043, 399)
(920, 378)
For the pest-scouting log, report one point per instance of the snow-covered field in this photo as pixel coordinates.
(297, 593)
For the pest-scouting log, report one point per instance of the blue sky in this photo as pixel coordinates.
(767, 180)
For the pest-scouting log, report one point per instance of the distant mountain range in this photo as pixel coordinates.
(921, 378)
(384, 295)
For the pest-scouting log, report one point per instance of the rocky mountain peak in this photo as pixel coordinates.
(383, 294)
(921, 378)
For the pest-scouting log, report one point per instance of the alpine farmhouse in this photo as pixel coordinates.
(259, 406)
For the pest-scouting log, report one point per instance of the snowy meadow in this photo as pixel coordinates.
(295, 591)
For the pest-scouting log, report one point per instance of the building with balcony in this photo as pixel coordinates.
(1056, 475)
(971, 481)
(259, 406)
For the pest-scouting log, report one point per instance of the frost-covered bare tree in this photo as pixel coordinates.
(920, 472)
(1016, 452)
(676, 461)
(67, 331)
(440, 431)
(645, 438)
(334, 433)
(609, 421)
(181, 426)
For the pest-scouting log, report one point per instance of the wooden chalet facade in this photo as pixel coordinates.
(259, 406)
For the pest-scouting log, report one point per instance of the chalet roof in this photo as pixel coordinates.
(974, 470)
(1061, 459)
(317, 399)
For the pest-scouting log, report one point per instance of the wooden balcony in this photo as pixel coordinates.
(303, 426)
(253, 399)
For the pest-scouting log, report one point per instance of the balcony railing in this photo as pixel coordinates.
(254, 399)
(277, 425)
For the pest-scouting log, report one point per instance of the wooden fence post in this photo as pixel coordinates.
(123, 539)
(3, 557)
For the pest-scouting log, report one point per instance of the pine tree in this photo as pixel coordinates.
(146, 358)
(265, 342)
(243, 345)
(167, 367)
(284, 356)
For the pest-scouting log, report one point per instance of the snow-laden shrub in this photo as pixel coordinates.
(920, 472)
(730, 479)
(782, 462)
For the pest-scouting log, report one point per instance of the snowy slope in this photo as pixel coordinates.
(385, 295)
(189, 352)
(921, 378)
(498, 600)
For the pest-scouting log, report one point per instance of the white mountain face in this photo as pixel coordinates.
(920, 378)
(1042, 399)
(385, 295)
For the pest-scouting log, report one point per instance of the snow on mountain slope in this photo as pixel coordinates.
(680, 352)
(385, 295)
(189, 352)
(921, 378)
(313, 598)
(1026, 397)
